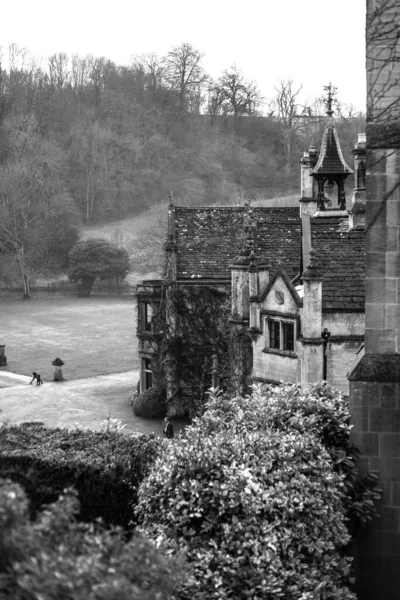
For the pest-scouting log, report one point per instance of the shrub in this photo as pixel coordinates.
(57, 558)
(323, 411)
(93, 259)
(105, 468)
(259, 510)
(151, 404)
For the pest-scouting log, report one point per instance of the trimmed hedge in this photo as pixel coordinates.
(257, 494)
(55, 557)
(106, 468)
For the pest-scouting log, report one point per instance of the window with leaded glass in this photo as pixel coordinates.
(280, 334)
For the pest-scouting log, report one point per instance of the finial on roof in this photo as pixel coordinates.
(312, 272)
(331, 91)
(171, 197)
(253, 262)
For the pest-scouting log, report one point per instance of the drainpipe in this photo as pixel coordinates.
(325, 336)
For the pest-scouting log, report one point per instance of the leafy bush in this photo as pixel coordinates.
(151, 404)
(259, 508)
(325, 412)
(58, 558)
(105, 467)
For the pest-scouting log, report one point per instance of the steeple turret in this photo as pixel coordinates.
(331, 168)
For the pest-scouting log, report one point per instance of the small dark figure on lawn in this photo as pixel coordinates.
(168, 428)
(37, 376)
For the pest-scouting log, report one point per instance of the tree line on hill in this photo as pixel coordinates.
(83, 139)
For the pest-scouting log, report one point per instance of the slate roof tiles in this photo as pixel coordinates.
(341, 258)
(209, 238)
(331, 161)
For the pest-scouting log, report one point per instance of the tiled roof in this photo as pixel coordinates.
(331, 161)
(209, 238)
(341, 258)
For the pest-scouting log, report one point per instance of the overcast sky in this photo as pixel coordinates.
(311, 41)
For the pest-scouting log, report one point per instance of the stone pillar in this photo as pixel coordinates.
(254, 290)
(3, 357)
(58, 365)
(375, 381)
(311, 325)
(308, 200)
(240, 296)
(214, 372)
(357, 210)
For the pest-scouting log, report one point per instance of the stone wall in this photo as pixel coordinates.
(375, 382)
(340, 358)
(275, 367)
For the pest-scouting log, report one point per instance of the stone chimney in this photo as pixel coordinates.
(357, 210)
(311, 324)
(308, 186)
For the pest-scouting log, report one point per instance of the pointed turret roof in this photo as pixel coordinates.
(331, 161)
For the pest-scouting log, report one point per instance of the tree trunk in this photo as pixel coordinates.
(25, 279)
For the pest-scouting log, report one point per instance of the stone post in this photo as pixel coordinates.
(214, 372)
(312, 355)
(58, 365)
(3, 357)
(375, 381)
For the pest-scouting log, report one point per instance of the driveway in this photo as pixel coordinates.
(84, 401)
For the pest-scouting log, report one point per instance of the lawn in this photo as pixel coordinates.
(93, 336)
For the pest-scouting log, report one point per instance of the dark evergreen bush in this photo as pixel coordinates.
(106, 468)
(57, 558)
(151, 404)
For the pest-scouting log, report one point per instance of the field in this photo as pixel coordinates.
(93, 336)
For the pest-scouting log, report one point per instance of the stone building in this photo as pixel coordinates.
(375, 381)
(294, 278)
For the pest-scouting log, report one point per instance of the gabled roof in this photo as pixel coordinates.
(331, 161)
(341, 259)
(292, 290)
(209, 238)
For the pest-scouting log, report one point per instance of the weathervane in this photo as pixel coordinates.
(331, 91)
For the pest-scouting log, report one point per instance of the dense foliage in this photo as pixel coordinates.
(104, 467)
(256, 493)
(57, 558)
(93, 259)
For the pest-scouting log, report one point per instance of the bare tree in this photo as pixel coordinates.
(60, 75)
(235, 95)
(185, 76)
(27, 183)
(291, 116)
